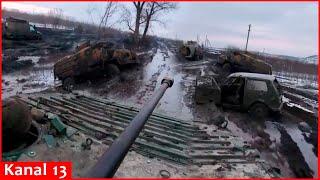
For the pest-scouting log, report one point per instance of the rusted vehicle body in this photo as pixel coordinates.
(191, 50)
(256, 93)
(237, 61)
(207, 90)
(97, 57)
(20, 29)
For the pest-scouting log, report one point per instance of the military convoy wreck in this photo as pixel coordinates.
(238, 61)
(17, 29)
(103, 57)
(45, 123)
(52, 120)
(191, 50)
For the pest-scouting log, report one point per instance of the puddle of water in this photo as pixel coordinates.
(305, 148)
(173, 102)
(163, 65)
(297, 137)
(35, 59)
(37, 79)
(154, 66)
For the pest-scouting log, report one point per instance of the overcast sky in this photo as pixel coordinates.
(278, 28)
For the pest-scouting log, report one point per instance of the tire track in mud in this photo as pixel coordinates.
(150, 86)
(294, 156)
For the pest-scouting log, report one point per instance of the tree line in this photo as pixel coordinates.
(137, 18)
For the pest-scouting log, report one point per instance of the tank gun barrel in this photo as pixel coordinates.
(109, 162)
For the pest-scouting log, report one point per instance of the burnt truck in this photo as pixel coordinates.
(98, 57)
(191, 50)
(255, 93)
(16, 29)
(237, 61)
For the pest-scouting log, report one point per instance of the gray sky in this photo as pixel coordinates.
(279, 28)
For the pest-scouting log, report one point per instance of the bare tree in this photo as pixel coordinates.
(152, 12)
(126, 18)
(139, 8)
(57, 16)
(43, 19)
(109, 11)
(138, 20)
(90, 10)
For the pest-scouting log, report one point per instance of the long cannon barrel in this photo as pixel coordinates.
(109, 162)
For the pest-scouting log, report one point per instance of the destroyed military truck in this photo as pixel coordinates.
(101, 57)
(191, 50)
(258, 94)
(237, 61)
(20, 29)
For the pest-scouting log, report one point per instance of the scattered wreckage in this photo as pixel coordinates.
(256, 93)
(16, 29)
(237, 61)
(96, 57)
(191, 50)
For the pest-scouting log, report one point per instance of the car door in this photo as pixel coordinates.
(231, 90)
(255, 91)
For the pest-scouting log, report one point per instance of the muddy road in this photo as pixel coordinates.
(287, 143)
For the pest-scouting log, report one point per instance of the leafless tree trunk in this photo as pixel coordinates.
(134, 24)
(139, 7)
(109, 11)
(152, 10)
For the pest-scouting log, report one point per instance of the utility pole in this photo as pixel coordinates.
(265, 59)
(248, 37)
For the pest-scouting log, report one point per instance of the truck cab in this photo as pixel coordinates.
(20, 29)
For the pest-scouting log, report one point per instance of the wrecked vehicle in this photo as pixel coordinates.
(256, 93)
(236, 61)
(191, 50)
(97, 57)
(20, 29)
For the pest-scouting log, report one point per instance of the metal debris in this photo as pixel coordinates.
(50, 141)
(58, 125)
(165, 174)
(87, 145)
(31, 154)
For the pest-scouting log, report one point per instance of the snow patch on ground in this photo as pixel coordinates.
(290, 104)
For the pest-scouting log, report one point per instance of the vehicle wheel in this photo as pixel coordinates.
(258, 111)
(68, 84)
(112, 70)
(195, 58)
(226, 67)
